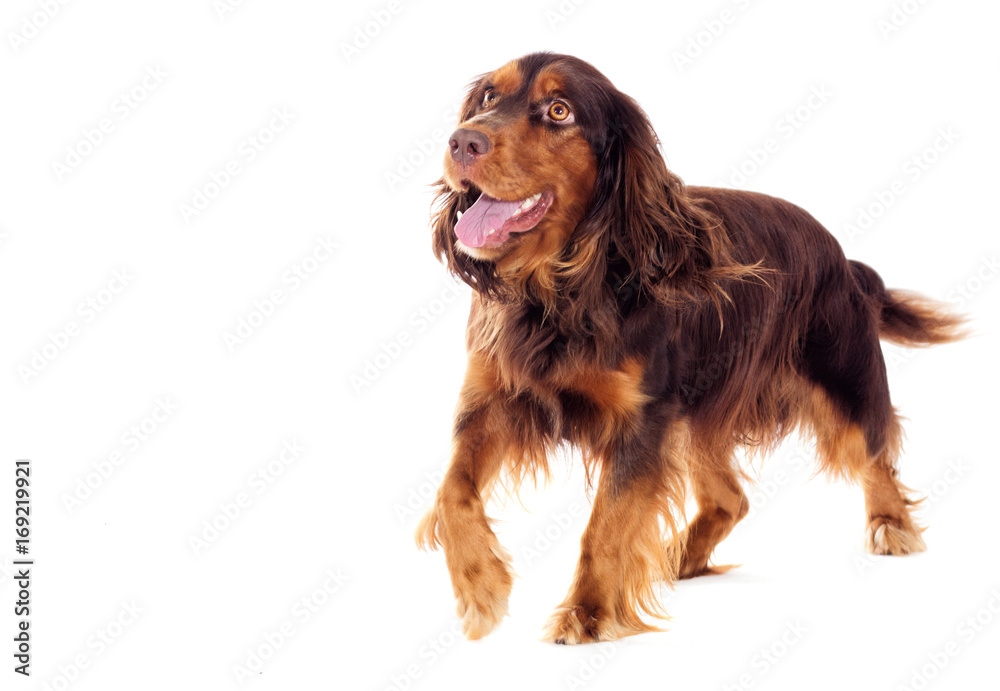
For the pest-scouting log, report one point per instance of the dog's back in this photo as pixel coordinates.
(812, 318)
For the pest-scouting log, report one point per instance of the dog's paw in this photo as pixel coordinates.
(482, 590)
(680, 564)
(481, 615)
(890, 536)
(572, 625)
(576, 624)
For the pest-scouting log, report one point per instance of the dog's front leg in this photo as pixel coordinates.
(479, 566)
(622, 552)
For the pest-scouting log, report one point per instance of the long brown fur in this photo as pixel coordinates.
(656, 327)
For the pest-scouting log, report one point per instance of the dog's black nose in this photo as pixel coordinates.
(468, 145)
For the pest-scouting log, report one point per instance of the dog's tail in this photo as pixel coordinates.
(907, 318)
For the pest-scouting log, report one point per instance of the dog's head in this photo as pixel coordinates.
(522, 152)
(553, 179)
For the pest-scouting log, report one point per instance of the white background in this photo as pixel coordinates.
(829, 616)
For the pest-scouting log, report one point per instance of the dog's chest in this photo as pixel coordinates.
(582, 402)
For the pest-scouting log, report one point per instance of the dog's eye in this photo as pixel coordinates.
(489, 98)
(558, 111)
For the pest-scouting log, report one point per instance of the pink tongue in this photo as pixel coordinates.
(487, 213)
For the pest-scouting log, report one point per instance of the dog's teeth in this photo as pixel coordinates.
(536, 197)
(492, 230)
(459, 218)
(526, 205)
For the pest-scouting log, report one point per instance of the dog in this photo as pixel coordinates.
(656, 327)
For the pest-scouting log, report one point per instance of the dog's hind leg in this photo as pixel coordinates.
(858, 433)
(721, 505)
(845, 450)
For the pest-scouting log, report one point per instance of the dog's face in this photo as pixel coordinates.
(554, 181)
(521, 145)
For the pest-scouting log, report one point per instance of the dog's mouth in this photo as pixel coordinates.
(490, 221)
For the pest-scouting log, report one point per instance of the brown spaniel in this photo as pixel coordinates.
(655, 327)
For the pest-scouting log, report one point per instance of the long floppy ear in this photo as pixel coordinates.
(667, 242)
